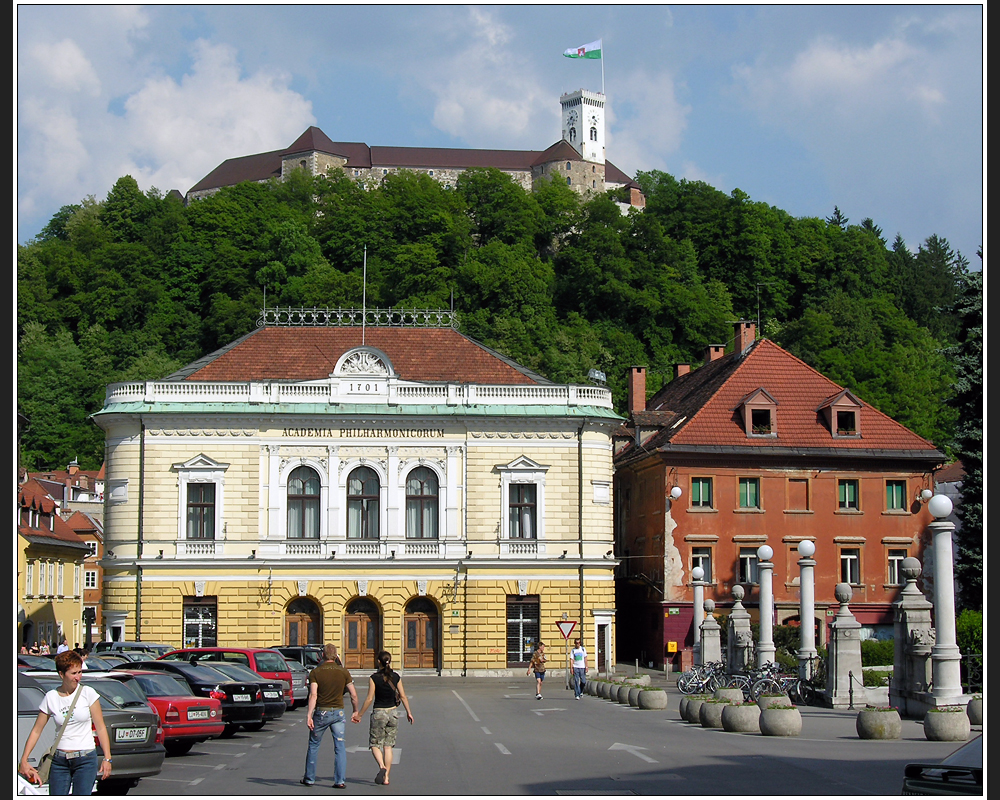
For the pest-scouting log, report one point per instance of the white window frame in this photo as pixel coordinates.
(748, 566)
(347, 467)
(522, 470)
(29, 573)
(850, 565)
(324, 497)
(201, 469)
(442, 496)
(90, 579)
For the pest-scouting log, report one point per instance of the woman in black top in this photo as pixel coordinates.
(385, 691)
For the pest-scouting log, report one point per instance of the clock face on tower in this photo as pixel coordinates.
(571, 118)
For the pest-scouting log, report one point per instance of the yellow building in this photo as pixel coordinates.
(49, 573)
(395, 486)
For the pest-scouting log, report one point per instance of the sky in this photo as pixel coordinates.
(875, 109)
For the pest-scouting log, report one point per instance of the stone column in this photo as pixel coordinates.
(807, 608)
(913, 636)
(765, 647)
(711, 636)
(845, 654)
(945, 656)
(697, 574)
(739, 642)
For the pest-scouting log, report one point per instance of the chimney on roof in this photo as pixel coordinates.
(636, 389)
(714, 352)
(681, 369)
(74, 467)
(744, 334)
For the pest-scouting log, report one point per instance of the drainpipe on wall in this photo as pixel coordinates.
(579, 465)
(138, 552)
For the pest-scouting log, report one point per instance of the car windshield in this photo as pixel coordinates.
(113, 694)
(270, 662)
(163, 686)
(235, 671)
(968, 755)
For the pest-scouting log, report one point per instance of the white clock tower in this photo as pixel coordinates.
(583, 123)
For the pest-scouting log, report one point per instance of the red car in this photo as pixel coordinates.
(186, 719)
(264, 661)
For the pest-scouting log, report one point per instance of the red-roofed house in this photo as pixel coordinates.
(398, 485)
(49, 571)
(764, 449)
(91, 531)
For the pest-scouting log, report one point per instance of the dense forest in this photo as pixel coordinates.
(136, 285)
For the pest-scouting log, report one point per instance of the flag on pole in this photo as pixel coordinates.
(592, 50)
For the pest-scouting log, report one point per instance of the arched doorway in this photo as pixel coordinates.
(361, 634)
(303, 623)
(420, 634)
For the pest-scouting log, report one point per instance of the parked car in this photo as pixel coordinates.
(273, 691)
(309, 656)
(146, 649)
(134, 731)
(29, 698)
(242, 701)
(46, 663)
(264, 661)
(186, 719)
(959, 773)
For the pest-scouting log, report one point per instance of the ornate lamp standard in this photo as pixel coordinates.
(765, 647)
(807, 608)
(945, 655)
(697, 581)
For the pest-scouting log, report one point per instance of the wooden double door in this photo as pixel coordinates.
(420, 635)
(362, 625)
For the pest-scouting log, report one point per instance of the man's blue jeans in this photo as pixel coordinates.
(322, 720)
(73, 775)
(579, 680)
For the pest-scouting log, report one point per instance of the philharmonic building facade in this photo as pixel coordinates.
(389, 485)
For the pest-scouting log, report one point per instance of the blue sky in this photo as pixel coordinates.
(875, 109)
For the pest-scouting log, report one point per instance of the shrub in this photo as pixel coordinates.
(876, 653)
(874, 677)
(969, 631)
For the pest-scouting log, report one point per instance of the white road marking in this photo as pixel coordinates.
(502, 749)
(471, 712)
(486, 731)
(634, 750)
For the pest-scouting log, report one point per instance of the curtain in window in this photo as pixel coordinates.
(422, 504)
(303, 504)
(522, 511)
(362, 504)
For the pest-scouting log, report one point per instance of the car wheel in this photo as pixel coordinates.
(229, 731)
(253, 726)
(178, 748)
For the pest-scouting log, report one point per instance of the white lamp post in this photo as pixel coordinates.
(697, 578)
(945, 655)
(807, 608)
(765, 647)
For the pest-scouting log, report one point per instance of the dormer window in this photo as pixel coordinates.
(842, 414)
(759, 412)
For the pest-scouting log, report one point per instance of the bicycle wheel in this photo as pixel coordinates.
(764, 686)
(740, 682)
(688, 683)
(807, 692)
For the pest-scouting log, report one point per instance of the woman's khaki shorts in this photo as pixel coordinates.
(382, 727)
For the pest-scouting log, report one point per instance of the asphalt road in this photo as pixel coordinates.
(490, 736)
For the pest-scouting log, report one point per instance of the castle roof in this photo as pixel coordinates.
(358, 155)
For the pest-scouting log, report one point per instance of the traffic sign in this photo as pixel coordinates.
(566, 627)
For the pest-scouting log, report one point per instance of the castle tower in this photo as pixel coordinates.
(583, 123)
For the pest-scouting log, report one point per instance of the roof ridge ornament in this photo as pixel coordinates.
(326, 317)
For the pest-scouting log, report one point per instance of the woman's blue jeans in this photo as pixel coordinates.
(73, 775)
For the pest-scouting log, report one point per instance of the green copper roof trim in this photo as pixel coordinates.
(357, 409)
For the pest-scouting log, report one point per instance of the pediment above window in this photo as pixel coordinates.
(200, 462)
(759, 413)
(522, 464)
(842, 414)
(364, 361)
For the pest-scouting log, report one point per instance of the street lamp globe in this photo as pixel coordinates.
(807, 548)
(697, 574)
(764, 552)
(940, 506)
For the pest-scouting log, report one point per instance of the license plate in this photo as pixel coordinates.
(198, 713)
(130, 734)
(271, 695)
(241, 698)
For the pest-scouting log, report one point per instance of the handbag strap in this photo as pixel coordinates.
(69, 714)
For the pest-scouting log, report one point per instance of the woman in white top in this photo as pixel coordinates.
(75, 765)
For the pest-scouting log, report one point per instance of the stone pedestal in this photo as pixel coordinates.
(845, 655)
(739, 644)
(711, 636)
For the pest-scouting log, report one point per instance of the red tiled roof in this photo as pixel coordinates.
(304, 354)
(31, 495)
(708, 400)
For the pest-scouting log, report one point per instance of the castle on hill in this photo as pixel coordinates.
(578, 158)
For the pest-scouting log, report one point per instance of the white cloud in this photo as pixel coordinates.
(63, 66)
(646, 121)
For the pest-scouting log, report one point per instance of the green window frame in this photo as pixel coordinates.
(847, 495)
(895, 495)
(701, 492)
(749, 492)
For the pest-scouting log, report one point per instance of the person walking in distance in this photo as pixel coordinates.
(579, 656)
(327, 684)
(385, 691)
(537, 666)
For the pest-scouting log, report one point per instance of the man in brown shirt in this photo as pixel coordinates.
(327, 684)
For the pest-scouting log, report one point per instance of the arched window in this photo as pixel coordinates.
(422, 504)
(362, 504)
(572, 134)
(303, 504)
(593, 134)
